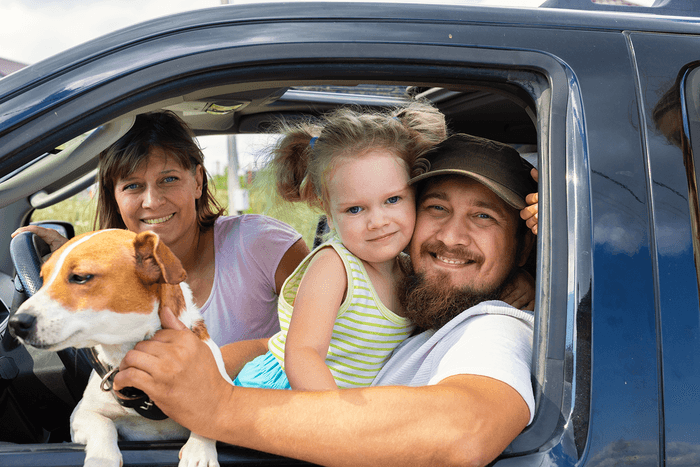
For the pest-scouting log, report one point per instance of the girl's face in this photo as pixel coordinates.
(160, 196)
(371, 206)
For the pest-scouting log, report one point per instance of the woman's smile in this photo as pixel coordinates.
(158, 220)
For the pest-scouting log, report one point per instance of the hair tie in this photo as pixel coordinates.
(312, 141)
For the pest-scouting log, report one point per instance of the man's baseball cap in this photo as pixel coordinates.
(497, 165)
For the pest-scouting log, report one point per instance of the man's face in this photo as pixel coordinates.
(465, 236)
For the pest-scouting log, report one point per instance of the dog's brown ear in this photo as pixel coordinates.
(155, 262)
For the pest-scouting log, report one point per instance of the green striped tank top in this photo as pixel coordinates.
(365, 332)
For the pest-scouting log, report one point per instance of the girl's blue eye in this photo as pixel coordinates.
(169, 179)
(130, 186)
(393, 200)
(354, 209)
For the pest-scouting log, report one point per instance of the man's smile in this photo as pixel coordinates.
(458, 262)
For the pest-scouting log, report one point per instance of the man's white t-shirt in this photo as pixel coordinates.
(491, 339)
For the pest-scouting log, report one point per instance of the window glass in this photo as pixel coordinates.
(690, 123)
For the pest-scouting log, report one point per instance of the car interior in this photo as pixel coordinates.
(38, 389)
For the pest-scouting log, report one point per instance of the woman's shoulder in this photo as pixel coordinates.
(246, 223)
(254, 230)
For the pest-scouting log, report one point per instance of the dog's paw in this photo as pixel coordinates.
(103, 462)
(198, 452)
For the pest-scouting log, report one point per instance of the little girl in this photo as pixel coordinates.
(338, 311)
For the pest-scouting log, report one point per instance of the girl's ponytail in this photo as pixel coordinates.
(291, 157)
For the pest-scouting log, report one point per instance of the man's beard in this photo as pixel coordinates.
(431, 302)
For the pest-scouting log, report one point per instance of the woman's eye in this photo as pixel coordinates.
(393, 200)
(354, 209)
(130, 186)
(169, 179)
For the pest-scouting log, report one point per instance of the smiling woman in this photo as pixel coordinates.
(153, 178)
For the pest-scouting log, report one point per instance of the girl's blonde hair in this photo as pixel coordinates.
(308, 150)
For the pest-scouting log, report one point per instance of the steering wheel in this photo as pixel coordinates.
(27, 251)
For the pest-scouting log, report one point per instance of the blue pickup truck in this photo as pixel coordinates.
(603, 97)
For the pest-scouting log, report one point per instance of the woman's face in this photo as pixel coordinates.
(160, 196)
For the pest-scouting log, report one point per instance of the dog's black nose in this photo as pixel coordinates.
(21, 324)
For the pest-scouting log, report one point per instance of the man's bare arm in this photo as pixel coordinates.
(464, 420)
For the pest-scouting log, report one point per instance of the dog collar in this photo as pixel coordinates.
(129, 397)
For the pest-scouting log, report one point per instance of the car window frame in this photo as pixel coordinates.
(563, 234)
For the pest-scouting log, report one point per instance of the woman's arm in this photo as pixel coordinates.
(237, 354)
(318, 299)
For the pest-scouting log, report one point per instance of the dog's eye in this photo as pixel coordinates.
(78, 279)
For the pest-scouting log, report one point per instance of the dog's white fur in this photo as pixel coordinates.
(98, 418)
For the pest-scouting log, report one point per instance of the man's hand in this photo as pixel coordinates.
(530, 212)
(172, 367)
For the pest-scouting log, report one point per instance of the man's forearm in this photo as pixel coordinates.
(465, 421)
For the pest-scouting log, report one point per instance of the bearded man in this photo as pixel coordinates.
(457, 393)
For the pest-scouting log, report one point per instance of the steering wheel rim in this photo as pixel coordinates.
(26, 251)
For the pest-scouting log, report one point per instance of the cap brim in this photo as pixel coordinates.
(506, 194)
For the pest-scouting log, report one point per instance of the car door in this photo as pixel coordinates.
(670, 92)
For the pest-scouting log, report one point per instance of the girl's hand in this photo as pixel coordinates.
(520, 293)
(54, 239)
(529, 213)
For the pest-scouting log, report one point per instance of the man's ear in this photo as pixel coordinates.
(527, 243)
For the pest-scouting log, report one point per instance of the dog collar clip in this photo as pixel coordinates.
(131, 398)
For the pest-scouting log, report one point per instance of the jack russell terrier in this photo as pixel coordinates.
(104, 290)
